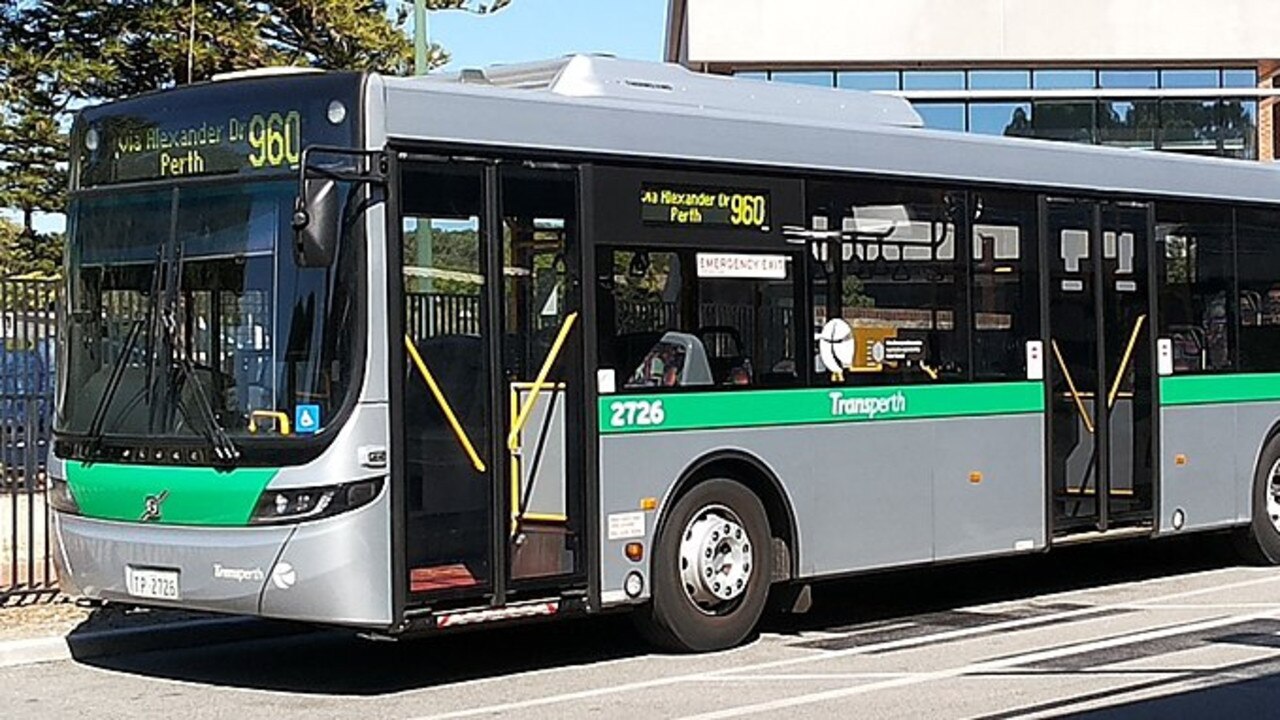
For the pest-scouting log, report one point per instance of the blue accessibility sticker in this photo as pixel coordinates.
(306, 419)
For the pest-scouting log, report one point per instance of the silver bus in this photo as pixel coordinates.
(408, 354)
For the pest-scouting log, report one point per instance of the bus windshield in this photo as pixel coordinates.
(186, 315)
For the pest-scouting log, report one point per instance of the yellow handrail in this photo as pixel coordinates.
(444, 405)
(1124, 362)
(282, 420)
(1075, 394)
(513, 439)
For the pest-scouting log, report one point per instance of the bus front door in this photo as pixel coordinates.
(1100, 365)
(487, 342)
(541, 376)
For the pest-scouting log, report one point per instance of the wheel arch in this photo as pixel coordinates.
(1272, 435)
(754, 473)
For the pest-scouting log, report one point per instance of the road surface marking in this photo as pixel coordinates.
(823, 655)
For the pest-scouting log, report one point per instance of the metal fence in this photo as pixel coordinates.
(27, 326)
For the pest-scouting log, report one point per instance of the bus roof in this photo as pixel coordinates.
(601, 105)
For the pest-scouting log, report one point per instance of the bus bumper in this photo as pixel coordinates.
(333, 571)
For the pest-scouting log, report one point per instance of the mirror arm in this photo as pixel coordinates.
(372, 171)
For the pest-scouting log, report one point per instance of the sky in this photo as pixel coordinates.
(541, 29)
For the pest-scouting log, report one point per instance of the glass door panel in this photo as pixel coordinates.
(1073, 359)
(447, 415)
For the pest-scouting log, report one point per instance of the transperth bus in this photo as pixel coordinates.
(409, 354)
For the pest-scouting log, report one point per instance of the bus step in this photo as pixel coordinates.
(440, 577)
(1088, 536)
(541, 550)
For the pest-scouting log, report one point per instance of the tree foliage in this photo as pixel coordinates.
(57, 55)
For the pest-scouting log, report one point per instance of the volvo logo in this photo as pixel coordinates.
(151, 506)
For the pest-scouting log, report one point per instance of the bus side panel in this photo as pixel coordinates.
(1212, 486)
(864, 495)
(989, 485)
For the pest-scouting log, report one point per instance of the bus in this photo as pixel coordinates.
(592, 335)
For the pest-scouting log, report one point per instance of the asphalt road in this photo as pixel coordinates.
(1174, 629)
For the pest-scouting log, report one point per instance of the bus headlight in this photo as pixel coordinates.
(60, 498)
(298, 504)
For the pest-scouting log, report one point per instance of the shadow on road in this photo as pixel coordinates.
(334, 662)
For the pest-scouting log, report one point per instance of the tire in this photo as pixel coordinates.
(1259, 542)
(685, 618)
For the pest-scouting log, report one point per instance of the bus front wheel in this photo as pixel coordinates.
(711, 570)
(1259, 542)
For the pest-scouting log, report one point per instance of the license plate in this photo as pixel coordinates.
(151, 583)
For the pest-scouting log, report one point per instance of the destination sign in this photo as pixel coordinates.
(707, 207)
(251, 126)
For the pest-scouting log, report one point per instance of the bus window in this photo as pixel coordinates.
(1195, 285)
(1004, 289)
(1257, 233)
(893, 283)
(696, 319)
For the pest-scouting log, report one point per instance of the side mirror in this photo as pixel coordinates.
(316, 219)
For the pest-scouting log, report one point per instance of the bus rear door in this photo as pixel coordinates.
(1100, 356)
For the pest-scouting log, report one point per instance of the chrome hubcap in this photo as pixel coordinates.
(715, 559)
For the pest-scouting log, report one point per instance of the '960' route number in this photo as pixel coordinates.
(637, 413)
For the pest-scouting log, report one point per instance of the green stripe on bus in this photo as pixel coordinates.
(192, 496)
(812, 406)
(1210, 389)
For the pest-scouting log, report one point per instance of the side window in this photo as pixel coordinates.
(890, 291)
(1005, 289)
(691, 319)
(1195, 286)
(1257, 236)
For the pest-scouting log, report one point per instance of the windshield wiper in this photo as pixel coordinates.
(223, 448)
(94, 434)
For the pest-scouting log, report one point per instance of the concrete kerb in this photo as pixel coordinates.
(167, 636)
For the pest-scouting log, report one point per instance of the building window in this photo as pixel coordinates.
(1129, 79)
(1240, 129)
(1070, 120)
(1063, 79)
(1190, 79)
(1189, 126)
(815, 78)
(942, 116)
(1196, 285)
(869, 80)
(933, 80)
(1130, 124)
(999, 79)
(1240, 78)
(1011, 119)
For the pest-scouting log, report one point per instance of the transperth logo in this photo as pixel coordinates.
(222, 572)
(867, 407)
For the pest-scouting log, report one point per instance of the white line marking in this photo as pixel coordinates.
(821, 655)
(816, 677)
(1193, 606)
(982, 667)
